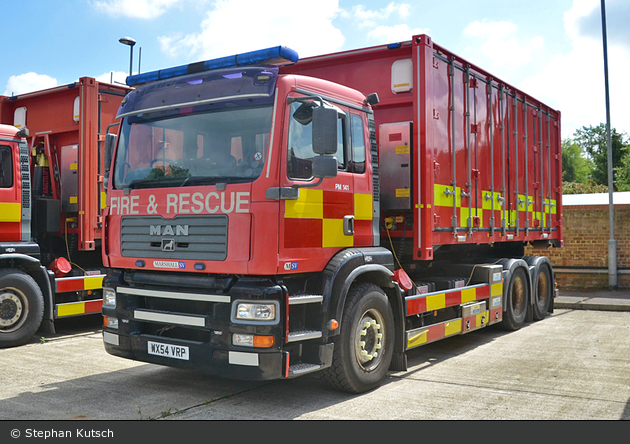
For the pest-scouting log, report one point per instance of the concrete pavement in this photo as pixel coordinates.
(604, 300)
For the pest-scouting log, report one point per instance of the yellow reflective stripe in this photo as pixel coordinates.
(469, 295)
(332, 234)
(309, 205)
(10, 212)
(363, 206)
(93, 283)
(417, 339)
(70, 309)
(483, 318)
(436, 302)
(443, 199)
(487, 202)
(453, 327)
(496, 289)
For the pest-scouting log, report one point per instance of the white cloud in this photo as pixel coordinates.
(574, 82)
(142, 9)
(501, 44)
(113, 77)
(396, 33)
(231, 27)
(29, 82)
(369, 18)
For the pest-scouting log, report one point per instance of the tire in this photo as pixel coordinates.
(21, 308)
(363, 349)
(544, 292)
(516, 300)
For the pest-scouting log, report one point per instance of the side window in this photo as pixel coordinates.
(358, 144)
(300, 148)
(6, 167)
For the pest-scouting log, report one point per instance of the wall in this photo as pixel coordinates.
(583, 262)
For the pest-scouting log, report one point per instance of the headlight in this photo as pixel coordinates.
(255, 312)
(109, 297)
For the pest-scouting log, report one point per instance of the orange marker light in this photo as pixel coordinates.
(263, 341)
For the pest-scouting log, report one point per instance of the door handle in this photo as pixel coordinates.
(348, 225)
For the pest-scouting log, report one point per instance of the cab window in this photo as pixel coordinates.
(358, 144)
(300, 147)
(6, 167)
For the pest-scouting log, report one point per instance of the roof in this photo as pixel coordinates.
(619, 198)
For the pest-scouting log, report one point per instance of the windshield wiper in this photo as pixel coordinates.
(185, 181)
(144, 183)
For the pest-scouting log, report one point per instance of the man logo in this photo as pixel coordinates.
(168, 230)
(168, 244)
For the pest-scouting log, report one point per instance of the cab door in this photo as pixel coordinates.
(319, 219)
(10, 202)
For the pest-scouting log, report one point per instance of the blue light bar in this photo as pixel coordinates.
(278, 55)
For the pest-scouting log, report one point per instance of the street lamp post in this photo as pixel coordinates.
(130, 42)
(612, 243)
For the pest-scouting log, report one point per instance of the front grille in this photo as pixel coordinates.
(183, 237)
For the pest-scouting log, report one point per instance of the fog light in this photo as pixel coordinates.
(258, 341)
(110, 322)
(243, 340)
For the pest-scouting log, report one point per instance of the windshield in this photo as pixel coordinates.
(185, 148)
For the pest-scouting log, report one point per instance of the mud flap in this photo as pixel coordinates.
(399, 362)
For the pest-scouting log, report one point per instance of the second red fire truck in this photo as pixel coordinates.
(52, 195)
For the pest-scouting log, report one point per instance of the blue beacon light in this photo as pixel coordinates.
(277, 55)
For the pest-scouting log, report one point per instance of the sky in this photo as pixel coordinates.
(550, 49)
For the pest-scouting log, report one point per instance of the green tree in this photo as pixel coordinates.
(583, 188)
(622, 173)
(575, 166)
(593, 141)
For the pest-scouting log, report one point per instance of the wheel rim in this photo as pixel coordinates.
(518, 296)
(370, 337)
(13, 309)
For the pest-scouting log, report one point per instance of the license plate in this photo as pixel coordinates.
(167, 350)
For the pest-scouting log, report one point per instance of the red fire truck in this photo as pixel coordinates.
(269, 217)
(51, 199)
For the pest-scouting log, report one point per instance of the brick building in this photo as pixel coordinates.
(583, 262)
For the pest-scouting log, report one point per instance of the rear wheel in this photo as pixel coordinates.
(21, 308)
(516, 300)
(544, 292)
(363, 349)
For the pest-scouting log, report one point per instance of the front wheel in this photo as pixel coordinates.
(363, 350)
(21, 308)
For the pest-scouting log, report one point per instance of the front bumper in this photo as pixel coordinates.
(196, 325)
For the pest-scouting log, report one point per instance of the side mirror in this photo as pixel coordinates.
(324, 130)
(324, 167)
(110, 143)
